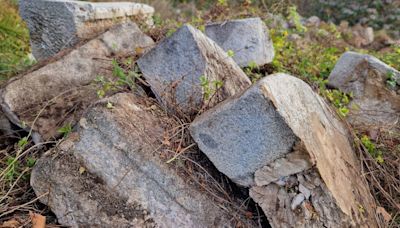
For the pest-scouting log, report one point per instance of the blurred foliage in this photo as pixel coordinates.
(14, 40)
(378, 14)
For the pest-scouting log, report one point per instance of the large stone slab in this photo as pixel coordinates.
(183, 71)
(375, 88)
(58, 24)
(243, 134)
(56, 94)
(109, 173)
(247, 38)
(269, 122)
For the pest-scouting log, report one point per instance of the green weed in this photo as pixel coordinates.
(209, 88)
(65, 130)
(372, 150)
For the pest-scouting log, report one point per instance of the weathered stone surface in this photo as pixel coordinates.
(175, 67)
(247, 38)
(326, 140)
(293, 163)
(56, 94)
(286, 206)
(357, 35)
(375, 103)
(243, 134)
(58, 24)
(109, 173)
(269, 122)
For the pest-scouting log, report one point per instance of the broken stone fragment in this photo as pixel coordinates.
(286, 207)
(247, 38)
(254, 129)
(188, 72)
(374, 87)
(58, 24)
(293, 163)
(50, 96)
(109, 173)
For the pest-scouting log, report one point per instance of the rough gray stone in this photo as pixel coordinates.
(326, 140)
(375, 102)
(247, 38)
(58, 24)
(297, 200)
(55, 94)
(243, 134)
(252, 130)
(313, 21)
(175, 67)
(109, 173)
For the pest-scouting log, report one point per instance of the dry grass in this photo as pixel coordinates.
(384, 178)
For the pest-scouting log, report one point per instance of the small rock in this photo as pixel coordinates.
(184, 70)
(247, 38)
(60, 91)
(294, 37)
(373, 104)
(297, 201)
(58, 24)
(306, 192)
(276, 21)
(313, 21)
(124, 183)
(360, 35)
(291, 164)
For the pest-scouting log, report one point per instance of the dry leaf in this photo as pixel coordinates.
(38, 220)
(139, 50)
(12, 223)
(81, 170)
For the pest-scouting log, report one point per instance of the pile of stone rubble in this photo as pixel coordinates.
(276, 137)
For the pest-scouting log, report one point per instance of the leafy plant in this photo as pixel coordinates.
(65, 130)
(12, 172)
(125, 78)
(391, 80)
(340, 100)
(209, 88)
(295, 18)
(230, 53)
(371, 147)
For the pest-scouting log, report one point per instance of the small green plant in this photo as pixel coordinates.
(22, 143)
(295, 18)
(109, 105)
(391, 80)
(65, 130)
(123, 78)
(30, 162)
(252, 71)
(340, 100)
(230, 53)
(13, 167)
(371, 147)
(209, 88)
